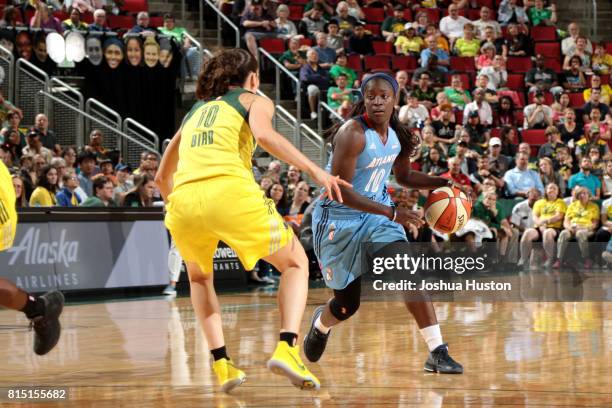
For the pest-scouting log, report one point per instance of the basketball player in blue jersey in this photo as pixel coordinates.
(365, 151)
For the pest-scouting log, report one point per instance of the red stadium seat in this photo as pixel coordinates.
(549, 49)
(408, 15)
(516, 81)
(535, 137)
(226, 8)
(382, 47)
(433, 14)
(553, 64)
(519, 64)
(548, 98)
(374, 15)
(354, 62)
(459, 117)
(87, 17)
(487, 3)
(609, 47)
(156, 21)
(135, 6)
(273, 45)
(296, 13)
(300, 2)
(373, 28)
(576, 99)
(306, 41)
(379, 62)
(61, 16)
(407, 63)
(520, 117)
(462, 64)
(120, 22)
(544, 33)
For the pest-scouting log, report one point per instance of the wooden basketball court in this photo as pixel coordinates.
(151, 353)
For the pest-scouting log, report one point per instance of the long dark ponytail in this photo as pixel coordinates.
(226, 68)
(409, 141)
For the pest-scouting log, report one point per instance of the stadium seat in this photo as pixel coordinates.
(519, 64)
(374, 15)
(535, 137)
(462, 64)
(553, 64)
(408, 15)
(520, 117)
(157, 21)
(576, 99)
(548, 98)
(306, 41)
(300, 2)
(354, 62)
(87, 17)
(516, 81)
(134, 6)
(549, 49)
(374, 29)
(405, 62)
(433, 14)
(273, 45)
(544, 33)
(488, 3)
(226, 8)
(382, 47)
(609, 47)
(376, 62)
(296, 12)
(120, 22)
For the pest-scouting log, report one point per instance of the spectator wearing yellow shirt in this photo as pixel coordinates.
(468, 45)
(408, 43)
(47, 186)
(581, 221)
(606, 91)
(601, 61)
(548, 214)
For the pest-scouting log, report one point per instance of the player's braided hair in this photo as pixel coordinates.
(409, 141)
(226, 68)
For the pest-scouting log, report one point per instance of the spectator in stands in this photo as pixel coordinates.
(499, 44)
(606, 180)
(190, 63)
(483, 173)
(452, 25)
(435, 113)
(580, 52)
(444, 126)
(142, 25)
(520, 178)
(596, 126)
(324, 6)
(484, 22)
(276, 192)
(69, 155)
(43, 18)
(285, 28)
(360, 42)
(142, 193)
(407, 42)
(47, 136)
(11, 17)
(424, 92)
(537, 115)
(103, 194)
(542, 78)
(539, 15)
(46, 188)
(485, 59)
(467, 45)
(604, 233)
(559, 106)
(13, 120)
(457, 95)
(497, 73)
(432, 49)
(522, 215)
(580, 222)
(340, 98)
(291, 180)
(297, 208)
(568, 45)
(601, 63)
(59, 164)
(394, 25)
(441, 40)
(478, 133)
(315, 79)
(258, 25)
(605, 91)
(586, 179)
(345, 21)
(519, 45)
(87, 167)
(570, 131)
(548, 214)
(479, 106)
(67, 197)
(327, 55)
(20, 196)
(124, 182)
(504, 115)
(96, 144)
(314, 21)
(429, 142)
(340, 67)
(594, 102)
(334, 39)
(355, 10)
(554, 143)
(434, 164)
(437, 74)
(74, 21)
(293, 59)
(403, 92)
(549, 175)
(510, 12)
(490, 212)
(413, 114)
(34, 146)
(40, 58)
(421, 23)
(99, 21)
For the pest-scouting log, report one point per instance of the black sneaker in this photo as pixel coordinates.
(440, 362)
(315, 341)
(47, 327)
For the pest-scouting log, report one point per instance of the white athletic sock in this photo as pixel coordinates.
(432, 336)
(321, 327)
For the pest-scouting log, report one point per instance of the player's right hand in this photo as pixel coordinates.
(408, 217)
(331, 184)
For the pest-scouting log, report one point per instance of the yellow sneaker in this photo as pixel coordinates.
(286, 361)
(228, 375)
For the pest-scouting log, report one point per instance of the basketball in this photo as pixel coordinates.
(447, 209)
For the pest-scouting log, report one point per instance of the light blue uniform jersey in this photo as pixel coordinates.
(339, 230)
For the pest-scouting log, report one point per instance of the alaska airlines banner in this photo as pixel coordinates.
(87, 255)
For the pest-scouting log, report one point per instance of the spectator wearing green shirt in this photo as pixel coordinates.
(340, 67)
(489, 211)
(328, 10)
(103, 193)
(468, 45)
(457, 96)
(393, 25)
(538, 15)
(190, 63)
(292, 59)
(424, 92)
(340, 97)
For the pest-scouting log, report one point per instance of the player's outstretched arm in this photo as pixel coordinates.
(167, 167)
(260, 121)
(409, 178)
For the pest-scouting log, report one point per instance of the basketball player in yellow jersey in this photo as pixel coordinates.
(206, 179)
(42, 311)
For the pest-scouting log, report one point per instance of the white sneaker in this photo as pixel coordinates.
(313, 115)
(169, 291)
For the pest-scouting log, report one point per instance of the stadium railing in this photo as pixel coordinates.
(7, 63)
(220, 16)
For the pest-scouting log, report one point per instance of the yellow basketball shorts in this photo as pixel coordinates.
(227, 209)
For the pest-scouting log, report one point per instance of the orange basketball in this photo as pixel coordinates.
(447, 209)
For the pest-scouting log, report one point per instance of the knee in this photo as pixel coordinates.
(344, 308)
(565, 235)
(313, 91)
(196, 275)
(582, 235)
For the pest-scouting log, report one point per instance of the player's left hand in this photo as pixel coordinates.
(331, 184)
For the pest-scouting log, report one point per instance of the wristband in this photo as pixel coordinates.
(394, 213)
